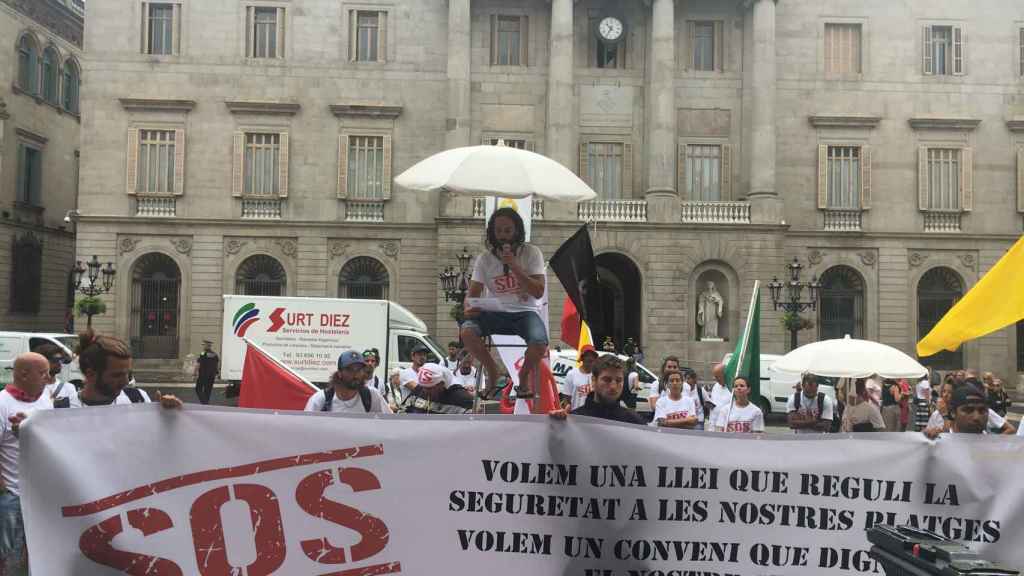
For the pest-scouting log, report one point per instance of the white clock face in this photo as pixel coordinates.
(610, 28)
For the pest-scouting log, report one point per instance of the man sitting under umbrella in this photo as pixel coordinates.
(512, 271)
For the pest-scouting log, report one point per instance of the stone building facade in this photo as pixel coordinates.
(40, 74)
(249, 146)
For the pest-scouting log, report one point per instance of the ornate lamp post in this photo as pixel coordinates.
(791, 302)
(455, 282)
(92, 270)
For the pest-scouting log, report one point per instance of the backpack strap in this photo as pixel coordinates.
(134, 395)
(328, 399)
(364, 395)
(796, 400)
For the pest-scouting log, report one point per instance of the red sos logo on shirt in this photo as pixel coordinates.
(506, 284)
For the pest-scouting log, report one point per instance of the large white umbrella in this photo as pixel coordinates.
(850, 358)
(495, 171)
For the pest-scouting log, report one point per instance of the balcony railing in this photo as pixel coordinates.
(480, 208)
(162, 207)
(699, 212)
(261, 209)
(842, 220)
(364, 211)
(613, 211)
(942, 221)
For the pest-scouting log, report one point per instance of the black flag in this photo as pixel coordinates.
(576, 269)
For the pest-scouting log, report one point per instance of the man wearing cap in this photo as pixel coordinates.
(968, 408)
(577, 382)
(205, 371)
(434, 393)
(347, 391)
(410, 375)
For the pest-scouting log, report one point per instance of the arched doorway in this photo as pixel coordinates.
(841, 310)
(937, 291)
(363, 277)
(261, 275)
(617, 311)
(156, 306)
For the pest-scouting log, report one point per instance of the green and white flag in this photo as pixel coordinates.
(746, 358)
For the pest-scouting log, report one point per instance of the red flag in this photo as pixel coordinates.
(267, 383)
(570, 323)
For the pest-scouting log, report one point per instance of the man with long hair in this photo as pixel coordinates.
(512, 272)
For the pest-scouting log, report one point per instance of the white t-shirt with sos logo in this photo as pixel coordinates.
(490, 272)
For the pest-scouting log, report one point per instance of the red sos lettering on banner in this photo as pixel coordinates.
(96, 542)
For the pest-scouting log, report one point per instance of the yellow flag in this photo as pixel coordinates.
(585, 338)
(996, 301)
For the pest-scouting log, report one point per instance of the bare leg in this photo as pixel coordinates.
(474, 344)
(529, 374)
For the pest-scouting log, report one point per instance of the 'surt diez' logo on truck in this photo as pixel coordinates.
(246, 316)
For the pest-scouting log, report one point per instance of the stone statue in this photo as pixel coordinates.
(710, 306)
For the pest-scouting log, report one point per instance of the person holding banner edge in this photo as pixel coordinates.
(512, 271)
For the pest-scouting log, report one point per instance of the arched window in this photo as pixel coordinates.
(363, 277)
(156, 306)
(28, 60)
(261, 275)
(72, 80)
(937, 292)
(841, 309)
(51, 76)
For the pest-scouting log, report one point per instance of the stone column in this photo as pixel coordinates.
(661, 115)
(766, 207)
(459, 120)
(561, 86)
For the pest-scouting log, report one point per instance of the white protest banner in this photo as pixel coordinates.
(216, 491)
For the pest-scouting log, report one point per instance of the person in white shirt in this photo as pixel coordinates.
(106, 364)
(861, 414)
(348, 392)
(968, 408)
(694, 390)
(464, 375)
(739, 415)
(657, 390)
(577, 384)
(720, 394)
(809, 410)
(512, 273)
(409, 376)
(675, 410)
(63, 394)
(23, 396)
(372, 358)
(452, 361)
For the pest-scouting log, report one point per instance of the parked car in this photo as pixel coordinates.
(777, 387)
(562, 361)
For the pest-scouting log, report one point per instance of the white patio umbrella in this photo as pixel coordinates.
(495, 171)
(850, 358)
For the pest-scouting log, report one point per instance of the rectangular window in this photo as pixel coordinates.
(1020, 64)
(508, 40)
(944, 186)
(604, 169)
(160, 28)
(943, 48)
(368, 32)
(365, 168)
(156, 158)
(265, 32)
(30, 175)
(843, 178)
(262, 161)
(704, 46)
(704, 172)
(842, 49)
(510, 142)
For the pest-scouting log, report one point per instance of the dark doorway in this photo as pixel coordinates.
(842, 304)
(618, 309)
(156, 307)
(261, 275)
(937, 292)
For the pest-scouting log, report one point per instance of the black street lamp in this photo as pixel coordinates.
(791, 302)
(92, 270)
(455, 283)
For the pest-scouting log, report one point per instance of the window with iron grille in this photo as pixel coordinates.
(937, 291)
(704, 172)
(156, 162)
(605, 169)
(366, 167)
(842, 49)
(161, 28)
(30, 175)
(265, 33)
(26, 283)
(28, 56)
(844, 172)
(944, 173)
(363, 277)
(507, 41)
(262, 158)
(261, 275)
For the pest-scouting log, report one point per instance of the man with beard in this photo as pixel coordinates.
(434, 393)
(607, 377)
(465, 375)
(61, 393)
(106, 364)
(348, 392)
(410, 376)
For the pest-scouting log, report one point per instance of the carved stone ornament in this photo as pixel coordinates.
(233, 246)
(337, 248)
(182, 245)
(126, 245)
(968, 260)
(54, 16)
(390, 248)
(815, 256)
(288, 246)
(916, 259)
(867, 258)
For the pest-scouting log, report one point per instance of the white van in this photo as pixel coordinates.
(14, 343)
(777, 387)
(562, 361)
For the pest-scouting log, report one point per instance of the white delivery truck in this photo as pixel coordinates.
(308, 334)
